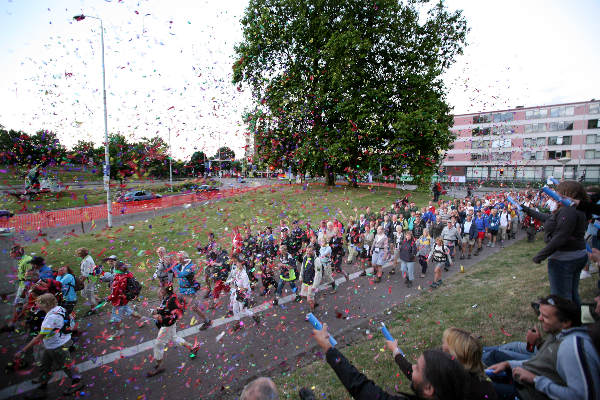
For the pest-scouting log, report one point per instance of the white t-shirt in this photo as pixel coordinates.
(87, 266)
(51, 326)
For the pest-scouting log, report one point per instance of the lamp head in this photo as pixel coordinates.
(79, 17)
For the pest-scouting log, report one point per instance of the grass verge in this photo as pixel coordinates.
(491, 300)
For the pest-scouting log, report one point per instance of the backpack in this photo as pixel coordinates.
(67, 323)
(79, 283)
(132, 288)
(192, 282)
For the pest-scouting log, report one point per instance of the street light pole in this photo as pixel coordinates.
(106, 153)
(170, 159)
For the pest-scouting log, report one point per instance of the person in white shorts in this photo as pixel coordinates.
(87, 272)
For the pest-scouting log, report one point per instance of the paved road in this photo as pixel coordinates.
(116, 369)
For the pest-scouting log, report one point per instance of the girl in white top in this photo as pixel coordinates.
(380, 249)
(240, 292)
(87, 271)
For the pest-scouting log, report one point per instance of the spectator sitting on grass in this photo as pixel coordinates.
(435, 375)
(567, 365)
(466, 349)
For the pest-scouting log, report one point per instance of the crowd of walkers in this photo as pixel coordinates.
(307, 259)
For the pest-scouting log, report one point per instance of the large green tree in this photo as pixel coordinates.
(341, 86)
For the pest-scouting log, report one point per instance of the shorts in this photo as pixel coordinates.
(493, 233)
(480, 235)
(220, 286)
(467, 240)
(378, 257)
(308, 291)
(118, 312)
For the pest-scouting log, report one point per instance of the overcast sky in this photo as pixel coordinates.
(169, 64)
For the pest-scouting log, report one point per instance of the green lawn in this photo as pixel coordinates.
(183, 230)
(491, 300)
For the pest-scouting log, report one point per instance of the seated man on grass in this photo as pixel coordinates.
(566, 366)
(434, 376)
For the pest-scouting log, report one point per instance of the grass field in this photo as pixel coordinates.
(491, 300)
(135, 244)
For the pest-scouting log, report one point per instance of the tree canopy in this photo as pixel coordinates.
(341, 86)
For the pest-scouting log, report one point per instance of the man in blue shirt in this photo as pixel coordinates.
(38, 264)
(480, 226)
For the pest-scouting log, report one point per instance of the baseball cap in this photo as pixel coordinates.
(113, 257)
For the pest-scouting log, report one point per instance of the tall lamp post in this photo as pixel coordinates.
(106, 154)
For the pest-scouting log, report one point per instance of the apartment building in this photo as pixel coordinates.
(527, 143)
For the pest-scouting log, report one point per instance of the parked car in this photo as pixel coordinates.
(138, 195)
(207, 188)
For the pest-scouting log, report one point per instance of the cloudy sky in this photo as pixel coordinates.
(169, 63)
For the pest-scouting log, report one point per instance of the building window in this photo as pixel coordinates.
(503, 130)
(539, 155)
(559, 140)
(592, 124)
(555, 155)
(592, 139)
(594, 108)
(482, 119)
(590, 154)
(541, 141)
(481, 132)
(476, 157)
(536, 114)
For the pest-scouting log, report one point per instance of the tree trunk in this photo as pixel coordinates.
(330, 179)
(354, 180)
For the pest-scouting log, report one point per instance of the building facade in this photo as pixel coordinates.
(527, 144)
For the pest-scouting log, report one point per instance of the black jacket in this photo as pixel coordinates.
(170, 310)
(476, 387)
(358, 385)
(563, 230)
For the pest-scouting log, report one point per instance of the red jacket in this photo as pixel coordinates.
(117, 289)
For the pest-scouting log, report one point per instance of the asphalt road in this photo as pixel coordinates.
(281, 342)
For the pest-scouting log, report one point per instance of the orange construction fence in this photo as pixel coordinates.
(72, 216)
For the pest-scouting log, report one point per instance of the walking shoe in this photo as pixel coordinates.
(422, 275)
(433, 285)
(489, 245)
(155, 371)
(275, 302)
(205, 325)
(229, 313)
(298, 299)
(194, 351)
(469, 256)
(493, 245)
(462, 257)
(364, 273)
(392, 271)
(76, 386)
(256, 319)
(377, 279)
